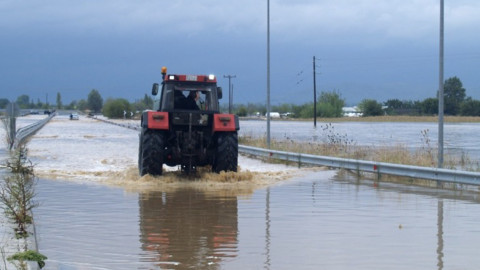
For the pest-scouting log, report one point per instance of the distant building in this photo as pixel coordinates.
(286, 115)
(351, 112)
(274, 115)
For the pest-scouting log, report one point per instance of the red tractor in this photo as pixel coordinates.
(186, 128)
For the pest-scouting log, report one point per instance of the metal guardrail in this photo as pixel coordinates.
(379, 168)
(25, 132)
(129, 126)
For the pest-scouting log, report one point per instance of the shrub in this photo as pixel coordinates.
(29, 255)
(370, 107)
(17, 191)
(115, 108)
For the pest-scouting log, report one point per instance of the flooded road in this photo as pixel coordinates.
(318, 221)
(98, 213)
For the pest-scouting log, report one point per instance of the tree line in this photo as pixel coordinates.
(94, 103)
(456, 102)
(329, 104)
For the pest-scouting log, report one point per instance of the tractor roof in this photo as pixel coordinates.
(191, 78)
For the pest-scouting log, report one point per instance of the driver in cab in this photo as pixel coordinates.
(188, 103)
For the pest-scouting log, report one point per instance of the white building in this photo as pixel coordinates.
(351, 112)
(274, 115)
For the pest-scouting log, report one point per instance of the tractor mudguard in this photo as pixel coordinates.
(225, 122)
(155, 120)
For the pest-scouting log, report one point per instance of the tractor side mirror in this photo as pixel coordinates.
(155, 89)
(219, 92)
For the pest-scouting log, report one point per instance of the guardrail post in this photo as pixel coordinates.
(439, 184)
(379, 175)
(13, 129)
(12, 112)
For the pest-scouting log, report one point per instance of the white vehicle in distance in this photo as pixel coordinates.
(74, 116)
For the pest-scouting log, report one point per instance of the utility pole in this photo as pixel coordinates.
(230, 91)
(314, 95)
(268, 74)
(440, 93)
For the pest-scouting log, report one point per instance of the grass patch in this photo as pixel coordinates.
(28, 255)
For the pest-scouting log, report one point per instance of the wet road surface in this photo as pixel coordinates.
(319, 221)
(315, 220)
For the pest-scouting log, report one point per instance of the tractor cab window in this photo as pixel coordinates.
(189, 97)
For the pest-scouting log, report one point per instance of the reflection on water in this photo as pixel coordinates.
(318, 221)
(95, 227)
(440, 235)
(186, 229)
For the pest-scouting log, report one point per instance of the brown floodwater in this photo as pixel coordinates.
(320, 220)
(106, 217)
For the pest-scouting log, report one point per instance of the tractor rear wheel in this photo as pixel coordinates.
(226, 154)
(151, 151)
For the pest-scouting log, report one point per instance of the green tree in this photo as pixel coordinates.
(429, 106)
(115, 108)
(454, 95)
(470, 107)
(330, 104)
(39, 104)
(143, 104)
(402, 107)
(242, 111)
(370, 107)
(393, 106)
(305, 110)
(3, 103)
(394, 103)
(59, 101)
(253, 108)
(23, 101)
(82, 105)
(71, 106)
(148, 101)
(282, 108)
(95, 101)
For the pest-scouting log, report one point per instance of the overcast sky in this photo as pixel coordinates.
(364, 48)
